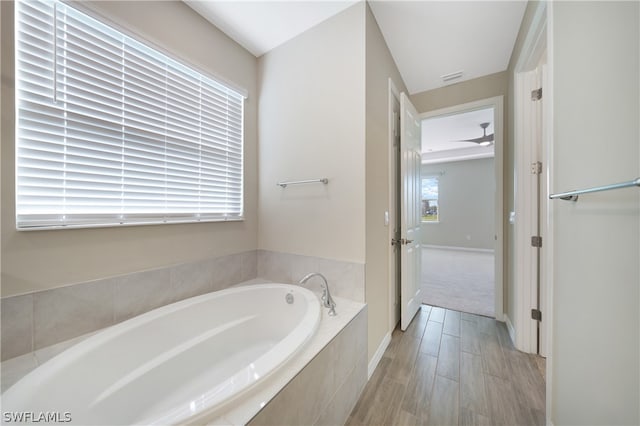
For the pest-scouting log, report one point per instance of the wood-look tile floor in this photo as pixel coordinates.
(451, 368)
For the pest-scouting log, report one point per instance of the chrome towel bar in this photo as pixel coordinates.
(299, 182)
(573, 195)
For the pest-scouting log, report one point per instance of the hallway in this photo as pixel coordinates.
(451, 368)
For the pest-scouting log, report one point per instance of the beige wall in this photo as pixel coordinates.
(315, 113)
(461, 93)
(45, 259)
(466, 204)
(311, 109)
(379, 68)
(596, 140)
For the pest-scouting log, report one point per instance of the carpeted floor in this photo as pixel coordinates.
(458, 280)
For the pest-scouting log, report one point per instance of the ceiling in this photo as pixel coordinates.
(259, 26)
(427, 39)
(441, 136)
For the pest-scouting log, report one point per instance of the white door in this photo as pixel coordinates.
(410, 260)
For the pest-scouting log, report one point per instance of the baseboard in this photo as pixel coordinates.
(512, 331)
(378, 355)
(477, 250)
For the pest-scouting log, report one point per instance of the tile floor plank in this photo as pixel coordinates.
(472, 389)
(501, 401)
(420, 385)
(406, 419)
(437, 314)
(464, 316)
(444, 408)
(392, 401)
(449, 357)
(417, 325)
(471, 418)
(492, 356)
(402, 364)
(393, 345)
(431, 339)
(478, 378)
(469, 337)
(452, 323)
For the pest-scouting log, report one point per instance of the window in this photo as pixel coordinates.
(113, 132)
(430, 199)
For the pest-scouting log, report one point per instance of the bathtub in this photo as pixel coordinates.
(181, 363)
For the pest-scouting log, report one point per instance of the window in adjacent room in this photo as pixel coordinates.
(430, 211)
(110, 131)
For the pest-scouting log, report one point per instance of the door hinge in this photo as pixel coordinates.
(536, 241)
(536, 168)
(536, 95)
(536, 315)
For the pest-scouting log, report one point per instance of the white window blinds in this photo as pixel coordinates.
(110, 131)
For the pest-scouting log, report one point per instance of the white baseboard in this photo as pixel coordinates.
(477, 250)
(512, 331)
(378, 355)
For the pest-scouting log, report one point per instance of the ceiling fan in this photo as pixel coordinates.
(484, 140)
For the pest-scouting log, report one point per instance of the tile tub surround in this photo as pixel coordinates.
(346, 279)
(319, 385)
(37, 320)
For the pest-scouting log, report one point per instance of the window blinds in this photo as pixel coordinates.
(111, 131)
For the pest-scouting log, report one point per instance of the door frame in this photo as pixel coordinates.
(497, 103)
(534, 49)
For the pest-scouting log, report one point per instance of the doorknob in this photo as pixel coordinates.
(407, 241)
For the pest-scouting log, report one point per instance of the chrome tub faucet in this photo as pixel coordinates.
(327, 300)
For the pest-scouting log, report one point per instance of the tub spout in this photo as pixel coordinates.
(327, 300)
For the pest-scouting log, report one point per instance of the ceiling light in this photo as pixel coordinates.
(452, 76)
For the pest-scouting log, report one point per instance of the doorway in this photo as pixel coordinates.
(462, 210)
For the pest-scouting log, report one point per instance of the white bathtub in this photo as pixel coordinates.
(180, 363)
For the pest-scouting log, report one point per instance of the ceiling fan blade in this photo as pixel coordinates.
(487, 138)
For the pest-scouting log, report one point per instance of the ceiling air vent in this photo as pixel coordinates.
(450, 77)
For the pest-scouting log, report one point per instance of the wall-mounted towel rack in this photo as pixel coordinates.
(573, 195)
(300, 182)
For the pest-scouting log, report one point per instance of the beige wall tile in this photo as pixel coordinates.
(141, 292)
(345, 398)
(40, 319)
(249, 269)
(226, 270)
(63, 313)
(275, 266)
(345, 279)
(191, 279)
(17, 326)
